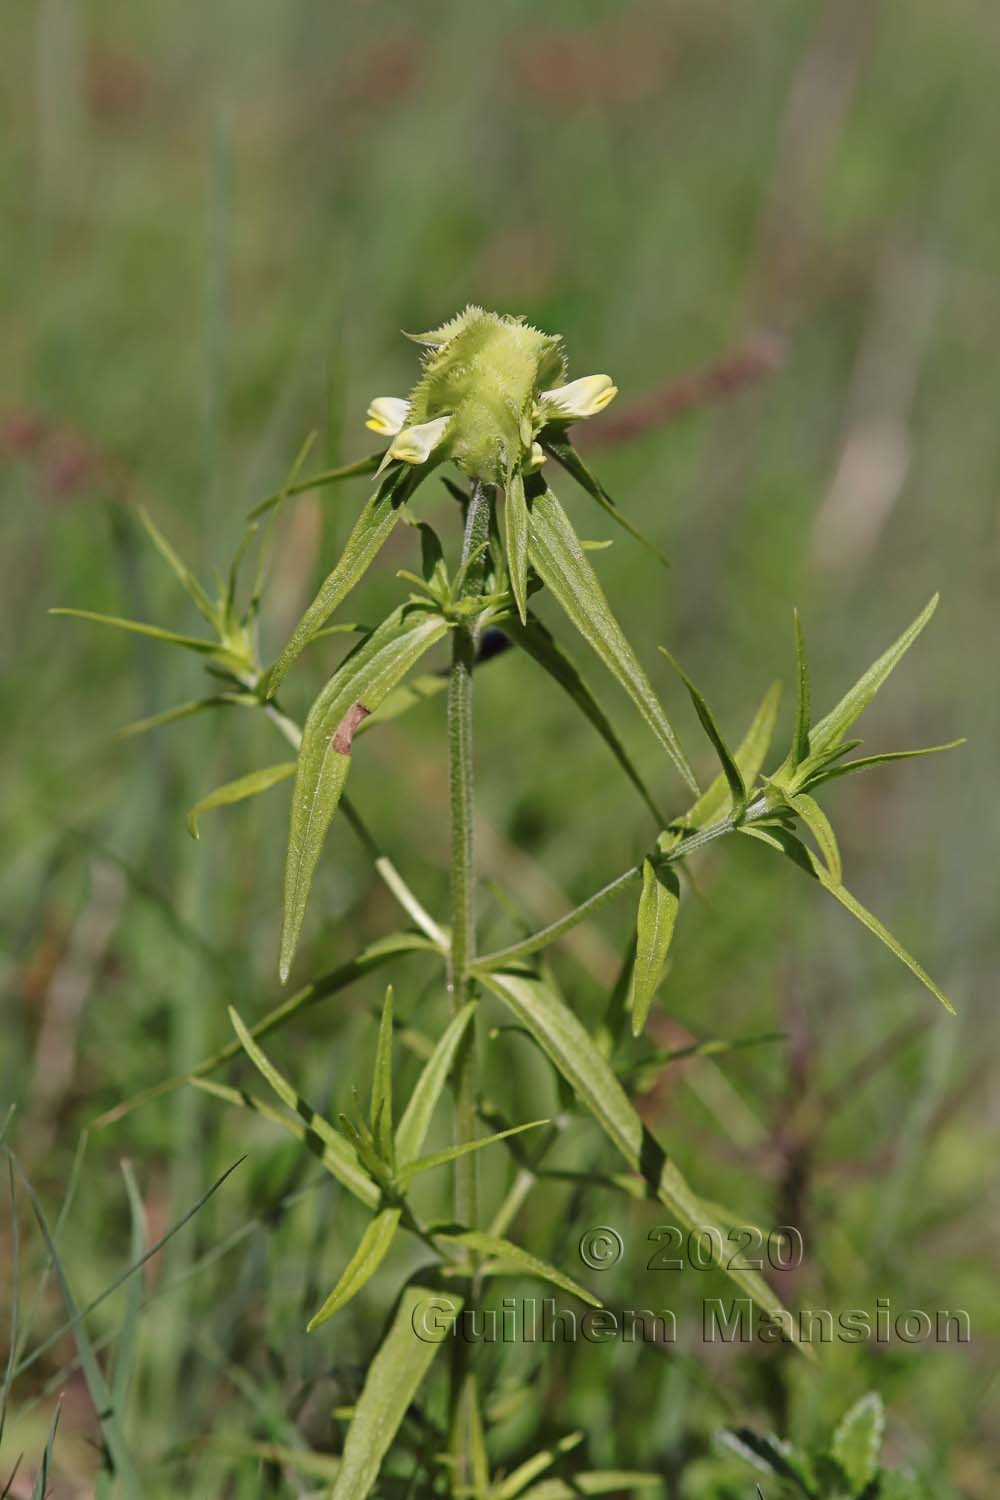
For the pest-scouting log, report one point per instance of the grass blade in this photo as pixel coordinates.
(40, 1488)
(394, 1377)
(238, 791)
(562, 565)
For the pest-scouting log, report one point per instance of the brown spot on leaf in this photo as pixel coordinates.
(343, 735)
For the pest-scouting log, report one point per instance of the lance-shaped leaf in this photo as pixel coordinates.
(366, 465)
(358, 686)
(338, 1156)
(511, 1257)
(139, 627)
(765, 1454)
(750, 756)
(831, 729)
(185, 711)
(365, 1261)
(542, 646)
(416, 1118)
(730, 768)
(40, 1488)
(570, 1049)
(803, 705)
(181, 571)
(558, 444)
(372, 528)
(816, 820)
(381, 1105)
(658, 903)
(561, 563)
(393, 1379)
(787, 843)
(334, 1153)
(451, 1153)
(857, 1441)
(382, 951)
(239, 790)
(865, 762)
(516, 523)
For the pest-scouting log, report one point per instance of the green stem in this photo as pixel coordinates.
(464, 1402)
(463, 917)
(546, 935)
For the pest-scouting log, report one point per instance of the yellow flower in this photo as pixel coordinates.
(414, 445)
(580, 398)
(387, 415)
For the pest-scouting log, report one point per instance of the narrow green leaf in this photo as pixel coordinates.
(334, 1153)
(127, 1334)
(821, 829)
(518, 1478)
(358, 686)
(393, 1379)
(830, 730)
(865, 762)
(40, 1488)
(139, 627)
(517, 525)
(342, 1160)
(539, 643)
(238, 791)
(658, 905)
(730, 769)
(372, 528)
(857, 1441)
(518, 1260)
(572, 1052)
(381, 1104)
(807, 861)
(803, 705)
(317, 482)
(181, 571)
(365, 1261)
(564, 453)
(608, 1482)
(561, 563)
(416, 1119)
(185, 711)
(383, 951)
(750, 756)
(118, 1452)
(302, 1460)
(451, 1153)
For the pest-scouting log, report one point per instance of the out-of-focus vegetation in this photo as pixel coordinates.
(773, 225)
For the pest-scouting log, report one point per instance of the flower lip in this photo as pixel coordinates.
(414, 445)
(387, 415)
(580, 398)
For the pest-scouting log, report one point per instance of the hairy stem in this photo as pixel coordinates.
(463, 950)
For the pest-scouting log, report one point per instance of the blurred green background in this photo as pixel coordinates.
(218, 219)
